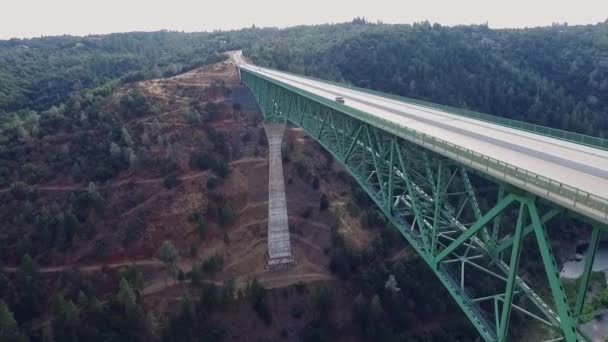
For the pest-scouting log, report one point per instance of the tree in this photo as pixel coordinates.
(225, 215)
(391, 284)
(170, 180)
(323, 297)
(193, 117)
(94, 195)
(115, 152)
(126, 137)
(213, 263)
(324, 202)
(20, 190)
(228, 290)
(76, 172)
(29, 295)
(361, 309)
(169, 255)
(257, 296)
(195, 275)
(69, 315)
(375, 308)
(8, 324)
(9, 328)
(212, 182)
(127, 298)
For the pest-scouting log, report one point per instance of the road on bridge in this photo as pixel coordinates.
(579, 166)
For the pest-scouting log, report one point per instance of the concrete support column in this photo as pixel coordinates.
(279, 247)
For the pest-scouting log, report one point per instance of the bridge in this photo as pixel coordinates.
(468, 191)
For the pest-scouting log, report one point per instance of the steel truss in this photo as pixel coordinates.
(473, 244)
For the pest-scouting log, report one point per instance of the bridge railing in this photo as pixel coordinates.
(576, 199)
(566, 195)
(511, 123)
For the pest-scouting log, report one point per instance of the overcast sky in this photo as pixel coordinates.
(31, 18)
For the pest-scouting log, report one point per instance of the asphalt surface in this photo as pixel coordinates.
(602, 173)
(572, 164)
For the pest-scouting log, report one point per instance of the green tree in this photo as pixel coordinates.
(323, 298)
(257, 296)
(391, 284)
(361, 309)
(169, 255)
(8, 324)
(375, 308)
(228, 290)
(126, 296)
(324, 202)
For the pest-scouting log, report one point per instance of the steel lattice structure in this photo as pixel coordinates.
(473, 244)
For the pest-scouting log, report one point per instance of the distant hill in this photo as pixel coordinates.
(555, 76)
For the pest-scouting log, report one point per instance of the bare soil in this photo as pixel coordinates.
(138, 195)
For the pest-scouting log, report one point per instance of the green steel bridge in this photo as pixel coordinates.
(470, 192)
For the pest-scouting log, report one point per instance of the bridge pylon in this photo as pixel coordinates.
(279, 245)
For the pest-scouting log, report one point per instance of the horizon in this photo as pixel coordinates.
(296, 25)
(84, 18)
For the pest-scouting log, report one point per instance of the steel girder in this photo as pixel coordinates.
(432, 201)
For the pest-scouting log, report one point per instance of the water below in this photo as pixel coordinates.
(597, 329)
(574, 268)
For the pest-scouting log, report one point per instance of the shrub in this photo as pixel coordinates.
(213, 263)
(170, 180)
(297, 312)
(324, 202)
(225, 214)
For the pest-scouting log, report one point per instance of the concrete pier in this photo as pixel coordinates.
(279, 246)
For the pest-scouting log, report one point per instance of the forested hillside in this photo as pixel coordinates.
(38, 73)
(104, 157)
(555, 76)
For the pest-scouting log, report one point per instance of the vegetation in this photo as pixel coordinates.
(213, 264)
(257, 295)
(66, 108)
(555, 76)
(169, 255)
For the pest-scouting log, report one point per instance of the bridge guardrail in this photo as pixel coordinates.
(552, 187)
(511, 123)
(525, 177)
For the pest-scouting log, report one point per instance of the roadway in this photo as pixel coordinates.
(579, 166)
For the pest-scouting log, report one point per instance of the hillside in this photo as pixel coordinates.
(184, 160)
(134, 179)
(554, 76)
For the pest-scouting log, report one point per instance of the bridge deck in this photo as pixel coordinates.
(582, 167)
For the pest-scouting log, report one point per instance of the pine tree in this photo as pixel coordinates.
(169, 255)
(375, 308)
(391, 284)
(115, 150)
(126, 296)
(361, 309)
(126, 136)
(8, 324)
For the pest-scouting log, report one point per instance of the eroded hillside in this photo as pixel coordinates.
(183, 161)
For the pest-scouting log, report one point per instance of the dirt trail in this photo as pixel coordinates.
(174, 80)
(401, 254)
(249, 160)
(112, 185)
(92, 267)
(267, 279)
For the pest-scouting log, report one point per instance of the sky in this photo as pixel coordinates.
(33, 18)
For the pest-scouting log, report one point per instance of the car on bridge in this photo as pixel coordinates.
(340, 99)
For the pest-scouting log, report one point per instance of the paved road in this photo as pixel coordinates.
(579, 166)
